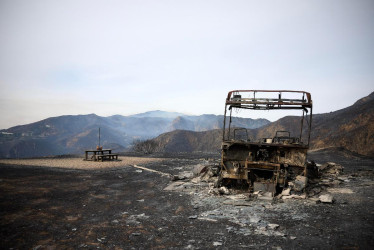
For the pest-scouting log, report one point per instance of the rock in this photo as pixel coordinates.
(300, 183)
(292, 237)
(207, 219)
(199, 169)
(335, 182)
(331, 168)
(230, 229)
(280, 234)
(334, 168)
(217, 243)
(294, 196)
(138, 171)
(323, 166)
(265, 198)
(326, 198)
(214, 191)
(286, 192)
(177, 178)
(175, 186)
(196, 180)
(273, 226)
(254, 220)
(257, 192)
(207, 176)
(192, 217)
(262, 230)
(224, 190)
(182, 176)
(237, 197)
(186, 175)
(340, 190)
(316, 190)
(315, 199)
(268, 194)
(343, 178)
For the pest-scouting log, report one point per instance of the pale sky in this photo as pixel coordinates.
(126, 57)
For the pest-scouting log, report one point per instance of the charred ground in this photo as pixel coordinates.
(126, 208)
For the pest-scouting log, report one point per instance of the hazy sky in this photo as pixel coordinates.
(125, 57)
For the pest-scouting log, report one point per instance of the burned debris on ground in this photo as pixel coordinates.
(320, 186)
(257, 213)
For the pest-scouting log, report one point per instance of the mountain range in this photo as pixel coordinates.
(351, 128)
(72, 134)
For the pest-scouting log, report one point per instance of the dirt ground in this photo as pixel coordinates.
(78, 163)
(125, 207)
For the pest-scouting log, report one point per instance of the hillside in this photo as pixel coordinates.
(208, 122)
(189, 141)
(73, 134)
(351, 128)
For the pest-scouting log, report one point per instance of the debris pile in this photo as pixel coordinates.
(256, 212)
(205, 173)
(316, 187)
(219, 191)
(330, 169)
(329, 175)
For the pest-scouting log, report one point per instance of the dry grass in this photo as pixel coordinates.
(78, 163)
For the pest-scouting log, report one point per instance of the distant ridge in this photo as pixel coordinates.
(72, 134)
(158, 113)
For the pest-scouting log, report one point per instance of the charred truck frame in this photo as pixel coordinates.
(268, 163)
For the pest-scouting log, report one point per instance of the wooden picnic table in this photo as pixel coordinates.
(100, 155)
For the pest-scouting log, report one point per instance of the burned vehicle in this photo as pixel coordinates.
(269, 158)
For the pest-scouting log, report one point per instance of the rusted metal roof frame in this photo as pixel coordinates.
(270, 104)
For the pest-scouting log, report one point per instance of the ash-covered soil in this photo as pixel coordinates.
(127, 207)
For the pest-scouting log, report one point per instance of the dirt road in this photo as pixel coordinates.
(127, 207)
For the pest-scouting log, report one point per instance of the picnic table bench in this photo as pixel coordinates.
(100, 155)
(107, 157)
